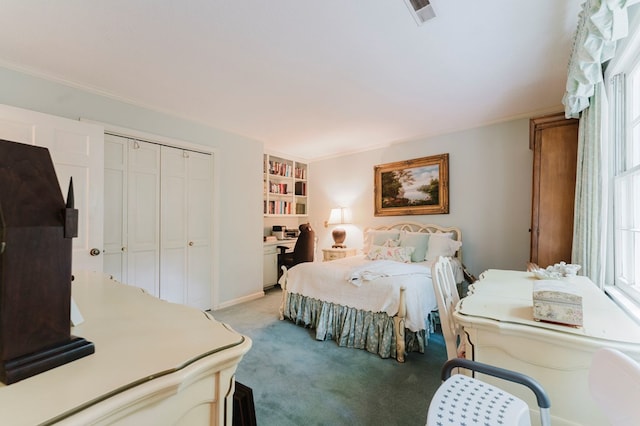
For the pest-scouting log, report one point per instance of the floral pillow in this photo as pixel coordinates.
(399, 254)
(375, 237)
(391, 243)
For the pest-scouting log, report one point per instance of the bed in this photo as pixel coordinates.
(381, 300)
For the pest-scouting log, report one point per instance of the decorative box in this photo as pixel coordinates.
(557, 302)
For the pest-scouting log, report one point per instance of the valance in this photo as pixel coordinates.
(601, 24)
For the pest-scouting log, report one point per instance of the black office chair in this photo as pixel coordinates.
(303, 251)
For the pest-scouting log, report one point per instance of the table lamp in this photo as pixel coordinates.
(339, 216)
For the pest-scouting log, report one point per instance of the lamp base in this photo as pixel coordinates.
(338, 235)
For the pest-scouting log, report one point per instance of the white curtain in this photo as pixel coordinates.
(589, 231)
(601, 24)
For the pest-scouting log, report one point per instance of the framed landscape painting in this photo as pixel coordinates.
(418, 186)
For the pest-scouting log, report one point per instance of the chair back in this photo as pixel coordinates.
(444, 285)
(614, 383)
(304, 249)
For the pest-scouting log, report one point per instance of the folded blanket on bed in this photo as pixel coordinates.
(383, 268)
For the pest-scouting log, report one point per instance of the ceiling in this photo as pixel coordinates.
(308, 79)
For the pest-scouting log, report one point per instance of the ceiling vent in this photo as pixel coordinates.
(421, 10)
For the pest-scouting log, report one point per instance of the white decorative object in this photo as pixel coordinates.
(554, 272)
(558, 302)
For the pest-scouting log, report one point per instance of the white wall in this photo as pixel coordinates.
(490, 174)
(238, 242)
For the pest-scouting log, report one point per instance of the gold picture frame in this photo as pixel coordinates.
(412, 187)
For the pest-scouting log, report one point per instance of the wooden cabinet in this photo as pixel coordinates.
(554, 141)
(285, 187)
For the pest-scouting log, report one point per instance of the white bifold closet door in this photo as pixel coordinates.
(185, 227)
(158, 230)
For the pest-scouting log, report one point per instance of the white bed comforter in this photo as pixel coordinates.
(370, 285)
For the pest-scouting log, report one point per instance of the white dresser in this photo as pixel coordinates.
(497, 318)
(155, 363)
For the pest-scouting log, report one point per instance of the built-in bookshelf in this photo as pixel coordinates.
(285, 187)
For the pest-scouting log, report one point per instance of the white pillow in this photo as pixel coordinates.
(418, 240)
(399, 254)
(440, 245)
(375, 237)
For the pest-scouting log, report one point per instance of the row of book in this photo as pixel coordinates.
(278, 188)
(287, 170)
(283, 207)
(278, 207)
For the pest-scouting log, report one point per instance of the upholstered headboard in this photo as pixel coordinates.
(425, 228)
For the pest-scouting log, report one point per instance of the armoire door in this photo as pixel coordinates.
(76, 150)
(554, 141)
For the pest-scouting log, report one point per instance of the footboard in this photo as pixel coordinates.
(398, 322)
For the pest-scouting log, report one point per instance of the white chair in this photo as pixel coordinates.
(464, 400)
(614, 383)
(444, 286)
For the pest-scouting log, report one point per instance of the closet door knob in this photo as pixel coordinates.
(190, 243)
(94, 252)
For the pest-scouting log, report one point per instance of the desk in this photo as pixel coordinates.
(155, 363)
(497, 318)
(270, 264)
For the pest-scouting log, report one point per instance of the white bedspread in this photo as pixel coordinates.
(368, 285)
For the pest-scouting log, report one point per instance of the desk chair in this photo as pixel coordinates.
(465, 400)
(444, 286)
(303, 251)
(614, 383)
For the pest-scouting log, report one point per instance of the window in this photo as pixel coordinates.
(625, 125)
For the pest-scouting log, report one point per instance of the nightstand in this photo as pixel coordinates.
(337, 253)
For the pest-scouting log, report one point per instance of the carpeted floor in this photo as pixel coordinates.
(297, 380)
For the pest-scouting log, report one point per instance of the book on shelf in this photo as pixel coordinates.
(301, 188)
(278, 188)
(281, 169)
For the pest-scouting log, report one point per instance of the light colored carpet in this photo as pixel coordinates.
(297, 380)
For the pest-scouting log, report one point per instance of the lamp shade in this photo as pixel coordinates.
(340, 215)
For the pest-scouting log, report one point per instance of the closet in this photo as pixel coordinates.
(158, 219)
(554, 141)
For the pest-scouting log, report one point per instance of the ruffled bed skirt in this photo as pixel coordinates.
(350, 327)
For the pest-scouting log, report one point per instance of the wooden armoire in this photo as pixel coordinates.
(554, 141)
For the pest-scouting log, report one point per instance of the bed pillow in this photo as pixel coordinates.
(375, 237)
(441, 245)
(399, 254)
(418, 240)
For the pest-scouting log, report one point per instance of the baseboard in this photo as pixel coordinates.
(239, 300)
